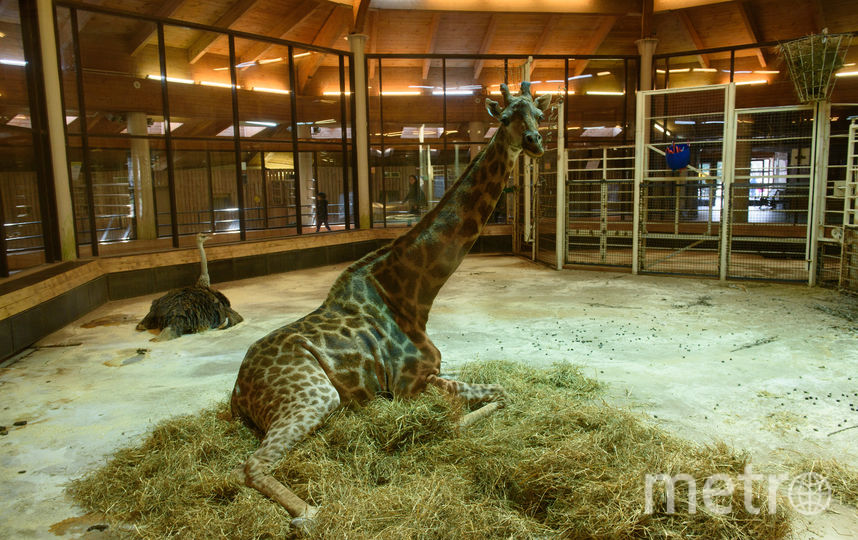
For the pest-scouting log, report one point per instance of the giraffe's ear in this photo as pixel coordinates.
(493, 108)
(543, 102)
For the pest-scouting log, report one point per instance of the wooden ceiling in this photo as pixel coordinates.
(605, 27)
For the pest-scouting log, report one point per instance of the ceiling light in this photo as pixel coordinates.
(266, 124)
(767, 72)
(301, 55)
(270, 90)
(705, 70)
(570, 92)
(604, 93)
(400, 93)
(742, 72)
(679, 70)
(603, 73)
(269, 61)
(449, 92)
(580, 76)
(685, 122)
(13, 62)
(419, 86)
(846, 74)
(170, 79)
(660, 71)
(744, 83)
(330, 93)
(326, 121)
(218, 84)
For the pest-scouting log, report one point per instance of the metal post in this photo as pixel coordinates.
(210, 180)
(84, 136)
(561, 213)
(344, 148)
(240, 170)
(728, 170)
(264, 178)
(381, 158)
(818, 181)
(295, 166)
(4, 263)
(640, 166)
(168, 138)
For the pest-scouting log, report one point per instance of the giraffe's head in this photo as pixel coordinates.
(520, 118)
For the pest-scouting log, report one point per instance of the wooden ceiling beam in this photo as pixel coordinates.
(595, 41)
(281, 29)
(141, 37)
(335, 27)
(484, 47)
(542, 42)
(749, 28)
(433, 39)
(360, 9)
(695, 37)
(203, 43)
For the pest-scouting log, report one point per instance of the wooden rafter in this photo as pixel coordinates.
(360, 9)
(484, 47)
(433, 39)
(335, 27)
(281, 29)
(141, 37)
(203, 43)
(695, 37)
(547, 30)
(749, 28)
(602, 30)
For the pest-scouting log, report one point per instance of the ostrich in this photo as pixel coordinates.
(190, 309)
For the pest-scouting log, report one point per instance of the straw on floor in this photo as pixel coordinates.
(556, 462)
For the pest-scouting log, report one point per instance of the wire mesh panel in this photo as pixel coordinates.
(545, 208)
(680, 210)
(600, 206)
(770, 194)
(849, 257)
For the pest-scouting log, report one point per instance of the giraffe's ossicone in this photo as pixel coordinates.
(369, 335)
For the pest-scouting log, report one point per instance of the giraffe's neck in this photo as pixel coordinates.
(420, 261)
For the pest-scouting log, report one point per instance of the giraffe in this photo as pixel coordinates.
(369, 336)
(190, 309)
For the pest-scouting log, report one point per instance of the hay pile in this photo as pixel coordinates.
(556, 462)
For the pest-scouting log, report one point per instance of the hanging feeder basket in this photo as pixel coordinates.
(678, 156)
(812, 62)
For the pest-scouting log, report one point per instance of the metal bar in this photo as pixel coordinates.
(296, 168)
(264, 175)
(640, 167)
(728, 161)
(4, 263)
(444, 119)
(210, 179)
(350, 196)
(240, 171)
(168, 140)
(560, 223)
(381, 158)
(196, 26)
(344, 148)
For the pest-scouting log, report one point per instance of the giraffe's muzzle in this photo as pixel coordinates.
(531, 143)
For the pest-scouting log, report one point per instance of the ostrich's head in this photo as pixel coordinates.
(520, 118)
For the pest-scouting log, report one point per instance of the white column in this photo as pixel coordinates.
(141, 178)
(646, 48)
(818, 184)
(357, 43)
(56, 129)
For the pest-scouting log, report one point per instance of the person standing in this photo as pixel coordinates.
(322, 211)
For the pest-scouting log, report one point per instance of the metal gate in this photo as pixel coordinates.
(545, 208)
(770, 197)
(678, 212)
(600, 198)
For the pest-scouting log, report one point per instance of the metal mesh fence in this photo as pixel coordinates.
(545, 218)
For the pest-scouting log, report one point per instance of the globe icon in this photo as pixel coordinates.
(809, 493)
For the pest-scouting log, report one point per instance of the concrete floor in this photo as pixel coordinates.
(705, 360)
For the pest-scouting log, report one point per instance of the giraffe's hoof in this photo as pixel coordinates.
(306, 522)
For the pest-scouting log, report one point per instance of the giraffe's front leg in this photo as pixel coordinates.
(473, 394)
